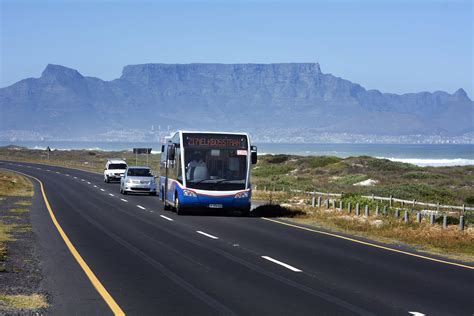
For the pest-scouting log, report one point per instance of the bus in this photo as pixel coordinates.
(206, 170)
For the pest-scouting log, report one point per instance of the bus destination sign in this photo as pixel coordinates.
(215, 140)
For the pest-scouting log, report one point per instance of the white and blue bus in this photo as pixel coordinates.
(206, 170)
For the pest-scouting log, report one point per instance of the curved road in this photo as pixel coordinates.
(153, 262)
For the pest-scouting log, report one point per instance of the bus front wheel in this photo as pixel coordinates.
(177, 206)
(245, 212)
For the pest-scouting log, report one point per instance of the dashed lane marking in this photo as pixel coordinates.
(206, 234)
(281, 263)
(139, 206)
(167, 218)
(123, 200)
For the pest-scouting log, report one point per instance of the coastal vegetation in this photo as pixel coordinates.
(446, 185)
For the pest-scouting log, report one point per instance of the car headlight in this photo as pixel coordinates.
(242, 195)
(189, 193)
(128, 181)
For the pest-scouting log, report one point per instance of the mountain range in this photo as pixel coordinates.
(64, 103)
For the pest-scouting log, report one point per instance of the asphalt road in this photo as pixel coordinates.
(153, 262)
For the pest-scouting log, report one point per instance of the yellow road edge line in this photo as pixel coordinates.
(92, 278)
(370, 244)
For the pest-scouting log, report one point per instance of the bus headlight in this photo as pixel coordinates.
(189, 193)
(242, 195)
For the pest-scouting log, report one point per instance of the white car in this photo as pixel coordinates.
(138, 179)
(114, 169)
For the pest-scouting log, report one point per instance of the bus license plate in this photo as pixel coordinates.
(215, 205)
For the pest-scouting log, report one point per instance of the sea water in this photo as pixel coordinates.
(421, 155)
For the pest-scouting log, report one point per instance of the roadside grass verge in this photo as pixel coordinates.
(12, 184)
(23, 302)
(89, 160)
(423, 237)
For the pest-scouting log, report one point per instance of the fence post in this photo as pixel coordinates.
(313, 201)
(418, 217)
(397, 213)
(334, 204)
(432, 219)
(349, 207)
(406, 216)
(327, 203)
(385, 210)
(391, 201)
(414, 203)
(445, 221)
(265, 189)
(319, 201)
(357, 209)
(341, 205)
(461, 223)
(366, 210)
(377, 210)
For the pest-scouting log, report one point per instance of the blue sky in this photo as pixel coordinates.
(393, 46)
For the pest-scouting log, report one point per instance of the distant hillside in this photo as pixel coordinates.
(224, 96)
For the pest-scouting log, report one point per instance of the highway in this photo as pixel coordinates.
(153, 262)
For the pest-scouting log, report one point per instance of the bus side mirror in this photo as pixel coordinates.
(253, 153)
(171, 152)
(162, 148)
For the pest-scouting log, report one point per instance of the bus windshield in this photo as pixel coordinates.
(215, 162)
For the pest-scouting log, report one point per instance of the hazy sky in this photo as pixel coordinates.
(393, 46)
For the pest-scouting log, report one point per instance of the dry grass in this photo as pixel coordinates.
(448, 242)
(12, 184)
(19, 210)
(23, 203)
(5, 235)
(23, 302)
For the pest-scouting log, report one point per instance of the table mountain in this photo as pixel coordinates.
(225, 96)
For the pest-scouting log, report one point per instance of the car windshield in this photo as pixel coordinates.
(118, 166)
(136, 172)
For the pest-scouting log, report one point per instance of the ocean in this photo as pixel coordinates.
(421, 155)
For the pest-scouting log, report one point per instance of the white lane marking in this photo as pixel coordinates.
(95, 186)
(281, 263)
(416, 313)
(75, 177)
(111, 194)
(88, 182)
(167, 218)
(206, 234)
(123, 200)
(58, 172)
(38, 168)
(67, 174)
(48, 170)
(139, 206)
(102, 190)
(83, 180)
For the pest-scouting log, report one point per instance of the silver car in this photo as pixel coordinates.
(138, 179)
